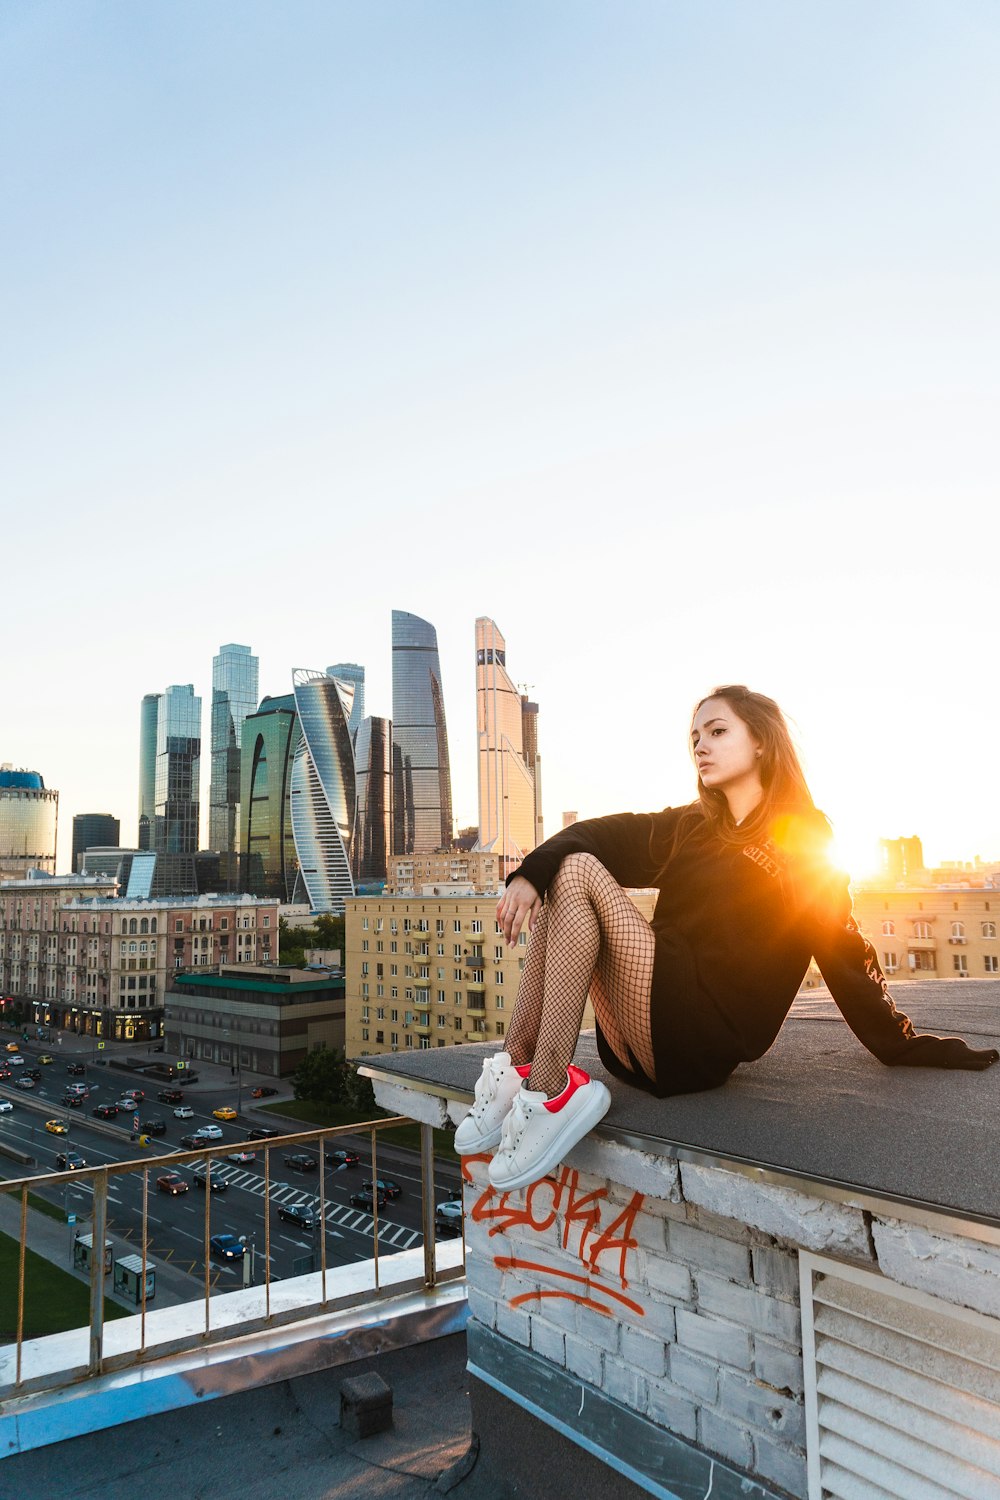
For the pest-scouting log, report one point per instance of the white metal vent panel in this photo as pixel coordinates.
(902, 1390)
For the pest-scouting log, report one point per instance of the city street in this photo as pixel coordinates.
(177, 1229)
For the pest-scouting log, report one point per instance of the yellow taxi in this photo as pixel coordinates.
(46, 1057)
(225, 1113)
(13, 1047)
(56, 1127)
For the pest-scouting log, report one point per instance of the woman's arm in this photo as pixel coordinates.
(633, 847)
(851, 969)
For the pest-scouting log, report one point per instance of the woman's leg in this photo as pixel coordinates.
(589, 937)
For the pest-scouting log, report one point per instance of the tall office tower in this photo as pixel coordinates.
(508, 816)
(268, 861)
(323, 789)
(93, 831)
(178, 771)
(29, 821)
(569, 818)
(148, 721)
(373, 821)
(902, 859)
(421, 776)
(349, 671)
(532, 759)
(234, 695)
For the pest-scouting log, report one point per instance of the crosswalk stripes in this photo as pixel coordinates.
(341, 1215)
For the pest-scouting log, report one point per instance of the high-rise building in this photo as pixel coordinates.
(29, 820)
(902, 859)
(92, 831)
(178, 771)
(268, 861)
(148, 725)
(421, 775)
(323, 789)
(234, 695)
(349, 671)
(373, 821)
(509, 795)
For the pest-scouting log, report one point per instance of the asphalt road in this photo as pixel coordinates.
(177, 1224)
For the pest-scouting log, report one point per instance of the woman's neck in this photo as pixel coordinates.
(743, 801)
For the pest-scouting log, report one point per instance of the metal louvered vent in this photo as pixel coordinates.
(902, 1390)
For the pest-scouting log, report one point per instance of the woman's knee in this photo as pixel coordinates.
(578, 874)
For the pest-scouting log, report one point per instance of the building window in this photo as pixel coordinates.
(458, 1023)
(440, 997)
(364, 1033)
(890, 963)
(888, 929)
(364, 945)
(456, 926)
(958, 931)
(921, 929)
(394, 1038)
(477, 925)
(442, 1021)
(989, 929)
(960, 963)
(499, 1028)
(991, 963)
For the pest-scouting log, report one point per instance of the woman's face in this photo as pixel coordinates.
(725, 752)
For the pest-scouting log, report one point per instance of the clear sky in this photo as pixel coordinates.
(666, 334)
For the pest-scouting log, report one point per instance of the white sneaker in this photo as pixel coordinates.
(497, 1085)
(538, 1132)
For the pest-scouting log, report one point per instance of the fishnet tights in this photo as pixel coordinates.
(588, 938)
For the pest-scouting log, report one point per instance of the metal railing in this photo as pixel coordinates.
(98, 1180)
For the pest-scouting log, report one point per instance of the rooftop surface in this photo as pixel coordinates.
(818, 1105)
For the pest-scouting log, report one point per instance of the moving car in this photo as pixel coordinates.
(170, 1096)
(56, 1127)
(225, 1113)
(78, 1088)
(77, 1069)
(219, 1184)
(35, 1073)
(295, 1213)
(184, 1112)
(72, 1101)
(300, 1161)
(241, 1158)
(364, 1199)
(13, 1047)
(25, 1083)
(105, 1111)
(226, 1247)
(15, 1062)
(343, 1158)
(154, 1127)
(210, 1132)
(172, 1183)
(134, 1094)
(69, 1161)
(262, 1133)
(192, 1142)
(262, 1093)
(385, 1185)
(448, 1217)
(6, 1107)
(127, 1104)
(46, 1057)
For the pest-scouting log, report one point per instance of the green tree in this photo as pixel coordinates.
(322, 1076)
(330, 931)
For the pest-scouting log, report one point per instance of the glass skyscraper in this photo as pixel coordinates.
(268, 861)
(507, 724)
(373, 823)
(178, 771)
(148, 721)
(234, 695)
(349, 671)
(29, 817)
(421, 775)
(93, 831)
(323, 789)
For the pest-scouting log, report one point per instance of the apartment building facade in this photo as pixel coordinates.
(931, 932)
(410, 873)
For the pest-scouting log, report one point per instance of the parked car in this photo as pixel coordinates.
(6, 1107)
(300, 1161)
(154, 1127)
(226, 1247)
(343, 1158)
(219, 1184)
(56, 1127)
(69, 1161)
(76, 1069)
(170, 1096)
(364, 1199)
(262, 1133)
(448, 1217)
(105, 1111)
(172, 1183)
(385, 1185)
(226, 1112)
(184, 1112)
(264, 1092)
(294, 1213)
(210, 1132)
(242, 1158)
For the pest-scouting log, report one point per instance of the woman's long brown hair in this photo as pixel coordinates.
(785, 791)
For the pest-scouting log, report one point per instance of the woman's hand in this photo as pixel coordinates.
(519, 902)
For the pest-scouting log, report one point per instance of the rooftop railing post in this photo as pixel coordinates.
(375, 1207)
(427, 1202)
(99, 1224)
(20, 1281)
(145, 1255)
(207, 1161)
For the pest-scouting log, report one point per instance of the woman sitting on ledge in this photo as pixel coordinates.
(747, 894)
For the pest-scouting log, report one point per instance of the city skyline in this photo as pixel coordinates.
(666, 337)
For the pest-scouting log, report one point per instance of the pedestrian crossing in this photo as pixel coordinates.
(340, 1215)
